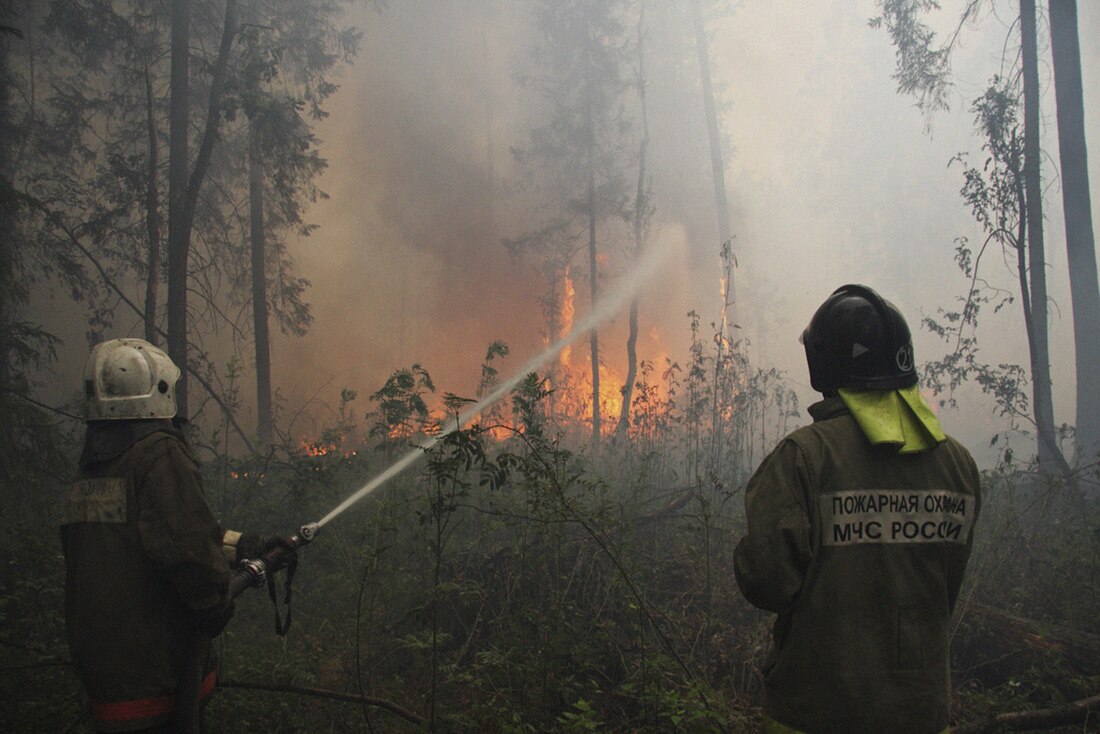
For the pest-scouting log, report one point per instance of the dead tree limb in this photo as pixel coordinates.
(1087, 710)
(682, 498)
(410, 716)
(996, 638)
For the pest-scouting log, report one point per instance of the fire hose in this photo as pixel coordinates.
(254, 571)
(251, 572)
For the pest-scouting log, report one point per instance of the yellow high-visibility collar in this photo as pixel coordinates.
(900, 417)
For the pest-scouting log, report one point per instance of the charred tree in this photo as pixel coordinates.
(1077, 211)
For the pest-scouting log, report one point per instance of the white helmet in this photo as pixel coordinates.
(129, 378)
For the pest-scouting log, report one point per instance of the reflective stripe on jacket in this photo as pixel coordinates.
(860, 551)
(145, 709)
(143, 562)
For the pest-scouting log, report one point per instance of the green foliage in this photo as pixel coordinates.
(528, 404)
(995, 194)
(497, 348)
(580, 718)
(493, 415)
(402, 410)
(923, 66)
(86, 181)
(1028, 631)
(37, 450)
(509, 584)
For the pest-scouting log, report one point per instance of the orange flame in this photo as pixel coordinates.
(316, 448)
(566, 315)
(611, 397)
(573, 379)
(574, 389)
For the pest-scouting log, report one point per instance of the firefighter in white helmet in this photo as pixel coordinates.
(147, 564)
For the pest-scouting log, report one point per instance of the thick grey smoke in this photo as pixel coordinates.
(831, 177)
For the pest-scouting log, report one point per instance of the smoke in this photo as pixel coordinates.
(409, 266)
(831, 178)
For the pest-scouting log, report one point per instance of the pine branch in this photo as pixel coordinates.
(55, 219)
(42, 405)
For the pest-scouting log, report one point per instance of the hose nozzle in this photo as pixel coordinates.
(305, 534)
(253, 572)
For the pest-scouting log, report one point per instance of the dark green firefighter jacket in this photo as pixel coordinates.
(145, 570)
(860, 550)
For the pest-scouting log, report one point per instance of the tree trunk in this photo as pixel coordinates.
(721, 362)
(1077, 211)
(641, 207)
(553, 326)
(717, 165)
(1050, 458)
(259, 290)
(178, 227)
(8, 220)
(593, 272)
(490, 12)
(594, 290)
(152, 216)
(183, 189)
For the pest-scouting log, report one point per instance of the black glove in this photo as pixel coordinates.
(212, 621)
(249, 546)
(278, 553)
(257, 547)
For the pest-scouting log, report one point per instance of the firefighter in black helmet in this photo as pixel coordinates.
(147, 564)
(858, 340)
(859, 530)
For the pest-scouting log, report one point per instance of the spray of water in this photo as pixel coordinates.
(608, 307)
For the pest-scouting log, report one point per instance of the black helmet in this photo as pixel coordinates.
(857, 339)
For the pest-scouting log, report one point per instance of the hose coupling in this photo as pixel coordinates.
(256, 570)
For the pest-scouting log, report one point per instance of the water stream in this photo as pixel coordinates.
(608, 306)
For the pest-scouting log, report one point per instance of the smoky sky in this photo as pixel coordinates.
(832, 177)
